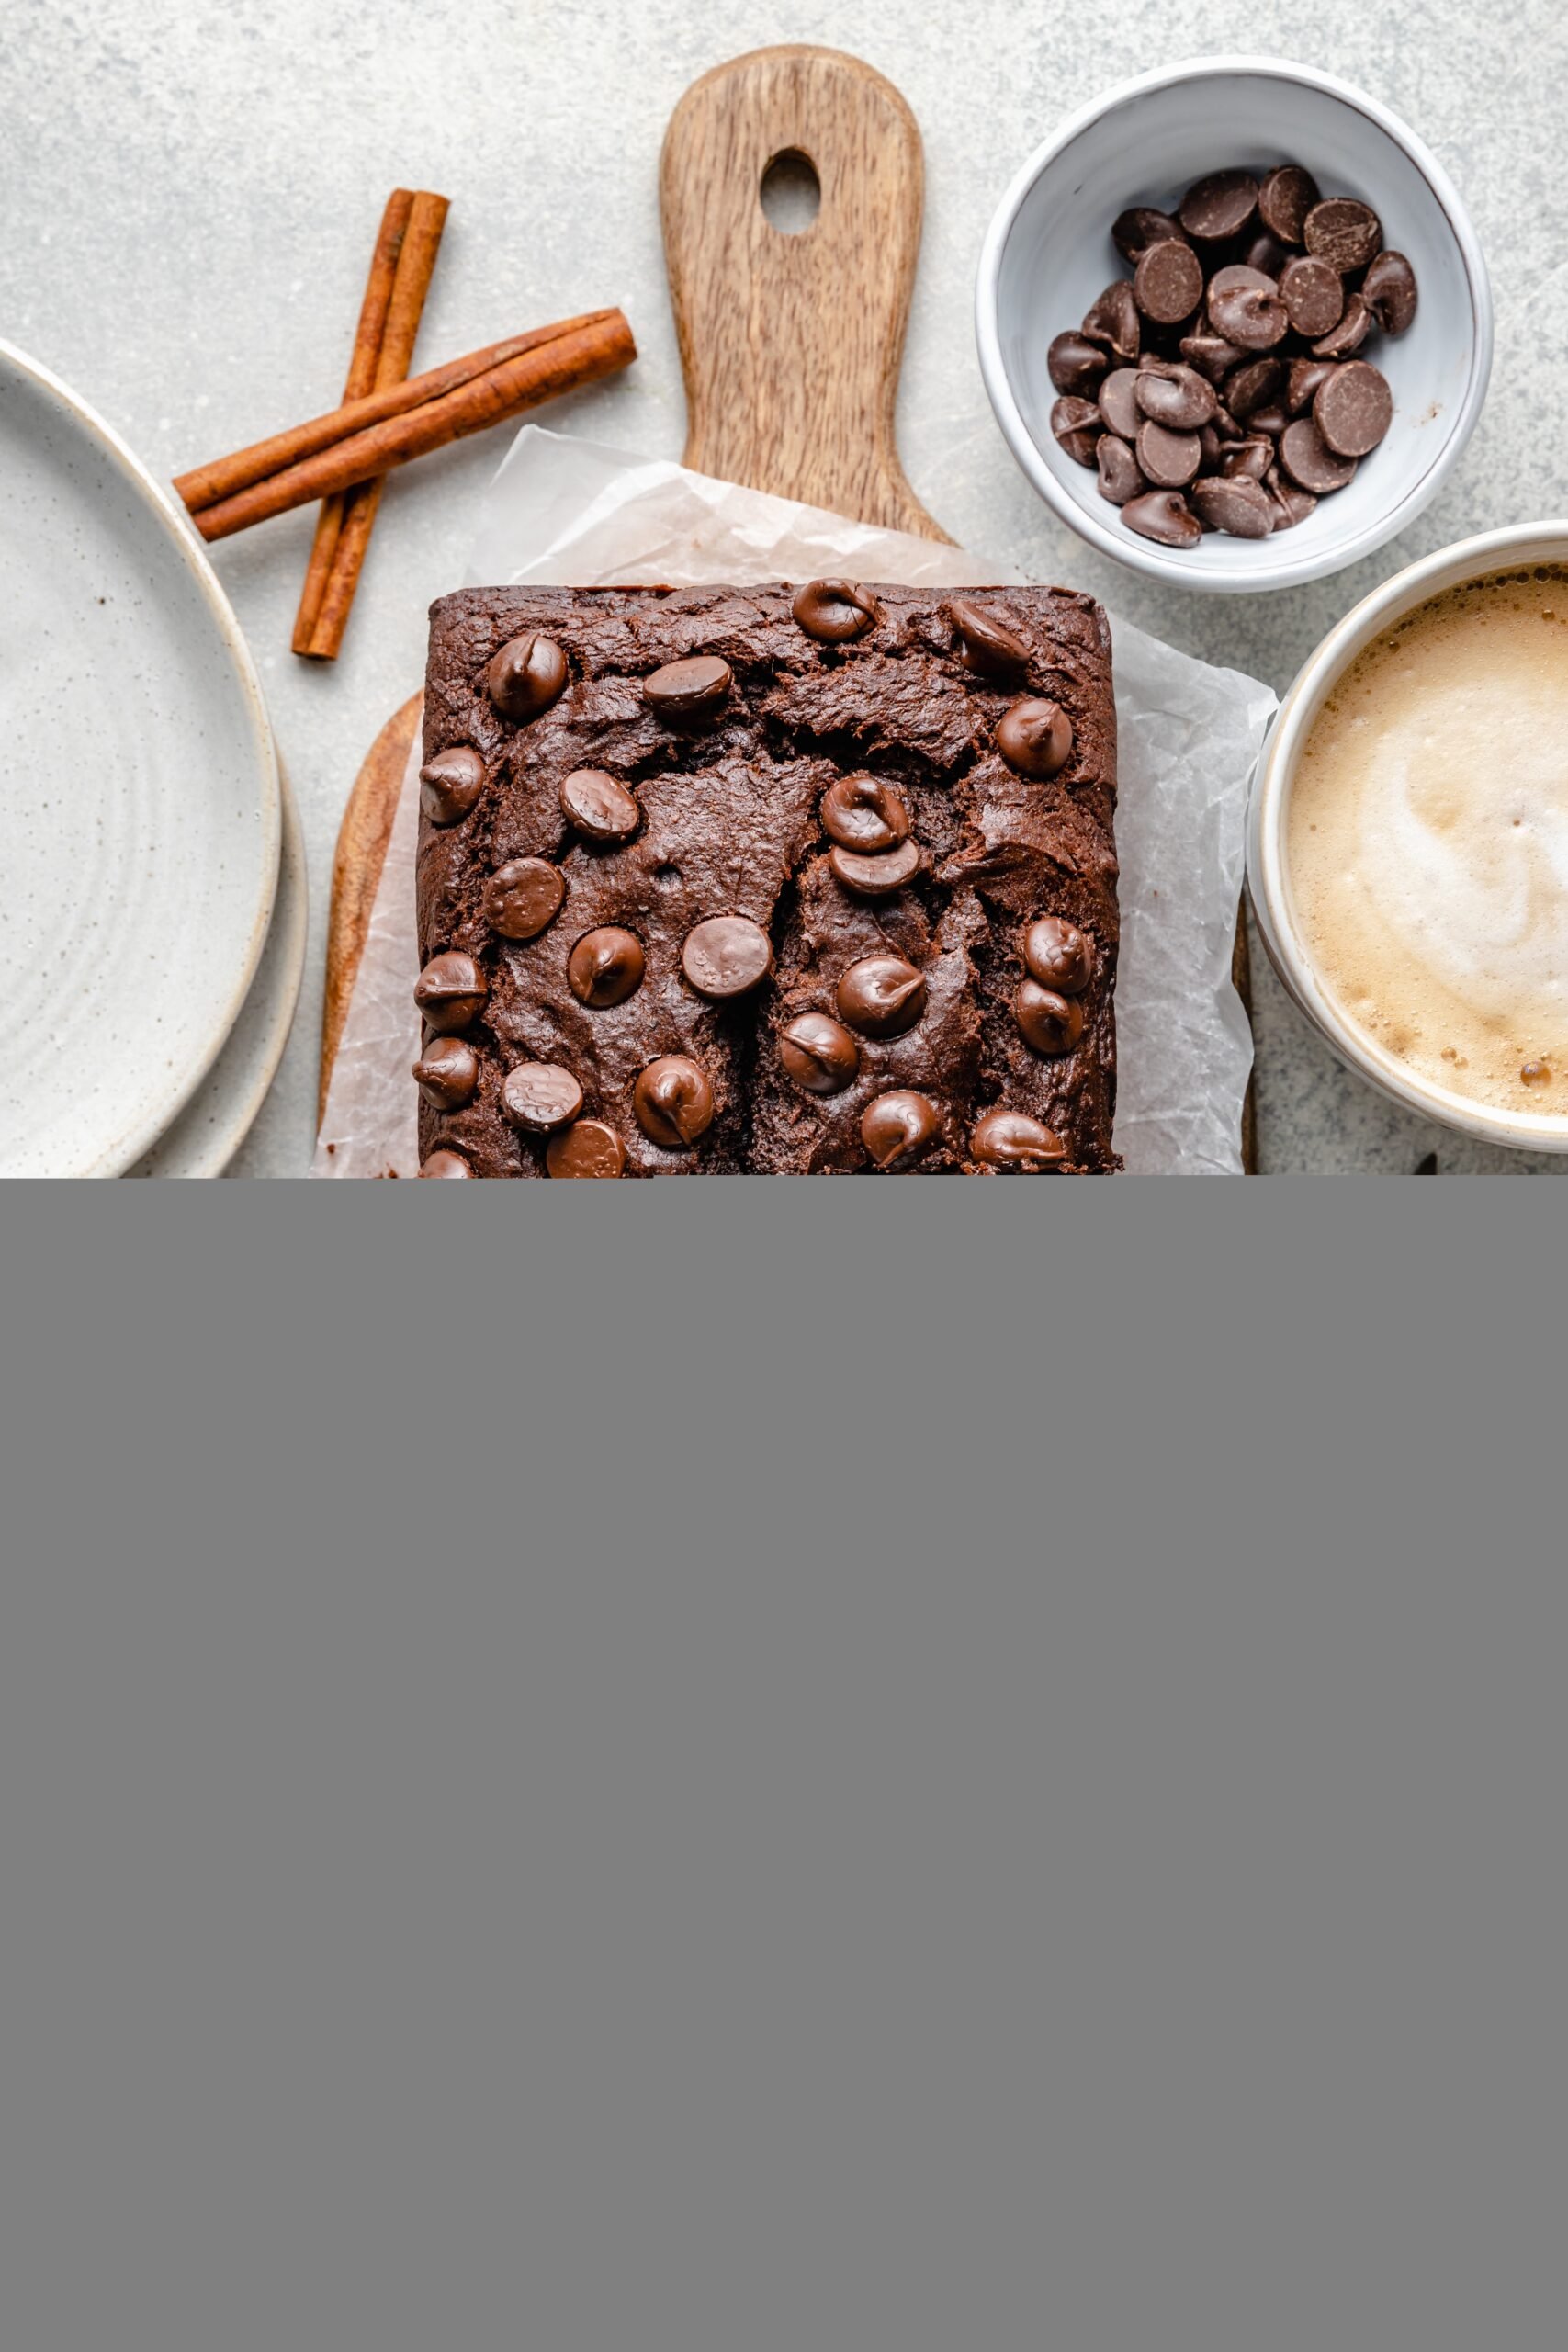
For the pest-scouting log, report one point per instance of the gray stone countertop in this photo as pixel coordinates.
(191, 192)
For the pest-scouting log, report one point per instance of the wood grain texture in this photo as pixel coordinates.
(791, 346)
(365, 830)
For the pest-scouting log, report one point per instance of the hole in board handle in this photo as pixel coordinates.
(791, 193)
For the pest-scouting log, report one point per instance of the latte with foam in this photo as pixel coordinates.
(1427, 842)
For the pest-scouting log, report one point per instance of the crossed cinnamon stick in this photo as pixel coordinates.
(389, 418)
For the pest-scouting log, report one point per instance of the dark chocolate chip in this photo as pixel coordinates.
(881, 996)
(1076, 425)
(1241, 273)
(1163, 515)
(598, 807)
(1233, 503)
(673, 1102)
(1289, 504)
(1388, 290)
(690, 694)
(727, 955)
(445, 1164)
(819, 1056)
(605, 966)
(1168, 460)
(1284, 199)
(896, 1129)
(1119, 408)
(1132, 232)
(1052, 1024)
(1167, 284)
(863, 812)
(1349, 334)
(526, 677)
(1179, 397)
(1212, 355)
(1035, 736)
(1344, 233)
(1013, 1143)
(1077, 364)
(1111, 321)
(1252, 386)
(1058, 956)
(539, 1096)
(587, 1148)
(1248, 460)
(835, 612)
(1120, 479)
(1267, 253)
(1248, 315)
(990, 649)
(1304, 382)
(1271, 418)
(1313, 296)
(1354, 409)
(876, 878)
(450, 992)
(450, 784)
(1310, 462)
(1218, 206)
(523, 897)
(447, 1072)
(1211, 448)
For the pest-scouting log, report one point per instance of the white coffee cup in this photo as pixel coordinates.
(1268, 864)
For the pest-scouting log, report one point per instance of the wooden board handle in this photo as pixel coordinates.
(792, 345)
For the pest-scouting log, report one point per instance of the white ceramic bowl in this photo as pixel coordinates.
(1049, 253)
(1268, 866)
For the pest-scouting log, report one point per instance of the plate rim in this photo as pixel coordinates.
(115, 1158)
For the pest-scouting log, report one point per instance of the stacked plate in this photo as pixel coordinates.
(152, 880)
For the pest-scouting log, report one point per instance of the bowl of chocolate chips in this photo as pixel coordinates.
(1235, 324)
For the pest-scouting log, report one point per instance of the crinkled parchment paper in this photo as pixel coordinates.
(566, 514)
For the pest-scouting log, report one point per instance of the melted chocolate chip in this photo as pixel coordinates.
(523, 897)
(1036, 739)
(990, 649)
(447, 1072)
(818, 1054)
(876, 878)
(1058, 956)
(587, 1148)
(538, 1096)
(450, 992)
(598, 807)
(726, 957)
(526, 677)
(896, 1129)
(862, 812)
(881, 996)
(673, 1102)
(605, 967)
(689, 694)
(1051, 1023)
(1013, 1143)
(835, 612)
(450, 784)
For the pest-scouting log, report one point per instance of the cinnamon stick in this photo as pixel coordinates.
(372, 437)
(222, 478)
(416, 266)
(361, 380)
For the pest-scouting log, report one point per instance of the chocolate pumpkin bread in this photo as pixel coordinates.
(767, 880)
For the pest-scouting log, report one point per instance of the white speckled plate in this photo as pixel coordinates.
(217, 1118)
(140, 806)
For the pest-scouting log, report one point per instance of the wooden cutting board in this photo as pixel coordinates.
(790, 345)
